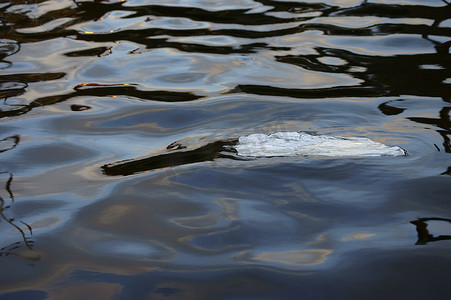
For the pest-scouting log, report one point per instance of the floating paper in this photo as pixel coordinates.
(301, 143)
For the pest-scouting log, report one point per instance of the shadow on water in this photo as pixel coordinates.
(178, 157)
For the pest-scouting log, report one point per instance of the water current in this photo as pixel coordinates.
(118, 178)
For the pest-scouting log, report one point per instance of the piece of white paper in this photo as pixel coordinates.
(301, 143)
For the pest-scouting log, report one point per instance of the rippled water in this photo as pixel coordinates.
(115, 121)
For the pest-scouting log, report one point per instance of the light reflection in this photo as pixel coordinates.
(114, 213)
(296, 257)
(102, 243)
(431, 67)
(196, 222)
(229, 208)
(357, 236)
(330, 60)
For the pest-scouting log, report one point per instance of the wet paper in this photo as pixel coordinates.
(301, 143)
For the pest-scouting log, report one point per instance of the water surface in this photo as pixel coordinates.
(116, 122)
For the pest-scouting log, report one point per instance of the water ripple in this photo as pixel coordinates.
(117, 171)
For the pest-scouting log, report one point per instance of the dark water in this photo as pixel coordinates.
(116, 117)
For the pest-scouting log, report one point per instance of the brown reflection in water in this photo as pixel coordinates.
(209, 152)
(424, 236)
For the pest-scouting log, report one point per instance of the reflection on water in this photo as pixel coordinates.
(94, 89)
(6, 144)
(208, 152)
(424, 236)
(24, 231)
(9, 143)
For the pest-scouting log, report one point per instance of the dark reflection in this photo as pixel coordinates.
(334, 92)
(205, 153)
(424, 236)
(85, 11)
(13, 85)
(25, 234)
(102, 91)
(424, 75)
(441, 47)
(99, 51)
(381, 76)
(447, 172)
(397, 11)
(93, 11)
(443, 122)
(9, 143)
(155, 43)
(76, 107)
(415, 74)
(235, 16)
(7, 48)
(23, 228)
(390, 110)
(33, 77)
(438, 14)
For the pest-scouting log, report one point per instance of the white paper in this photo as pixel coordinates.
(301, 143)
